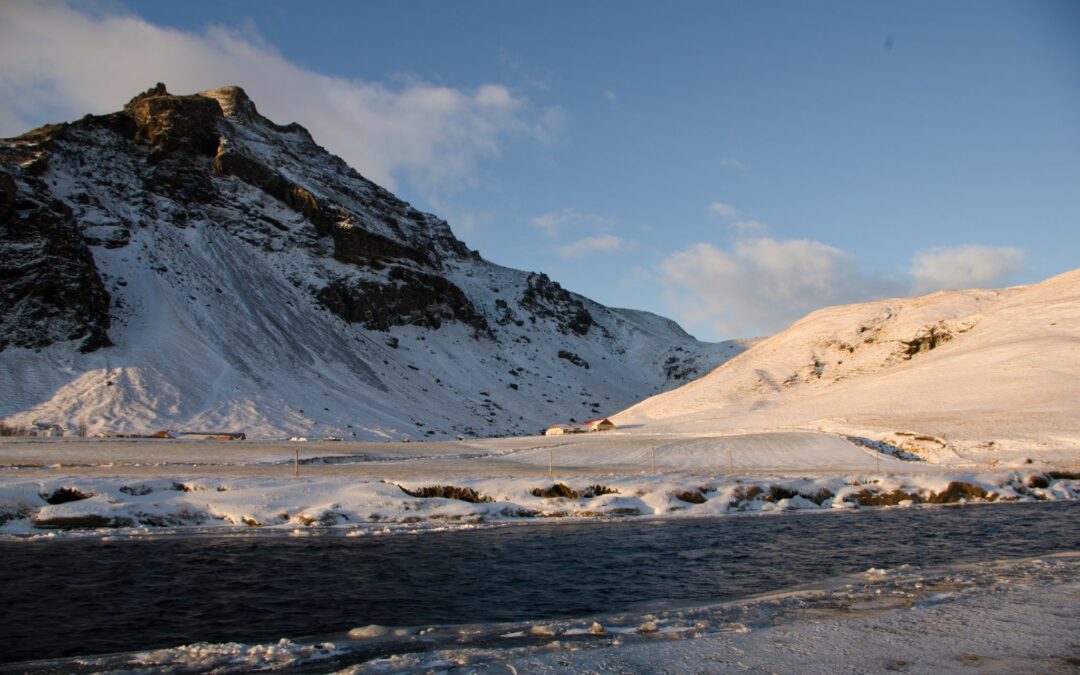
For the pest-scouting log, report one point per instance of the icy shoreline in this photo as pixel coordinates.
(80, 506)
(1002, 616)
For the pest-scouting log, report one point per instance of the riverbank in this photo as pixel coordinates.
(73, 505)
(999, 617)
(58, 488)
(1004, 617)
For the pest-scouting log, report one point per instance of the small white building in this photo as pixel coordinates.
(557, 430)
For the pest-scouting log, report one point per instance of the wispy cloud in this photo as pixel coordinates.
(967, 266)
(610, 96)
(733, 163)
(554, 222)
(761, 285)
(723, 211)
(61, 61)
(732, 218)
(522, 72)
(603, 243)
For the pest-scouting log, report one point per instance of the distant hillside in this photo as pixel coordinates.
(953, 369)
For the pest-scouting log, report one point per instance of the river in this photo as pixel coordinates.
(86, 596)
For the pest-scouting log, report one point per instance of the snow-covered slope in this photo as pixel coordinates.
(956, 369)
(189, 264)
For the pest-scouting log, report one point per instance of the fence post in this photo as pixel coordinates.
(296, 463)
(654, 460)
(550, 462)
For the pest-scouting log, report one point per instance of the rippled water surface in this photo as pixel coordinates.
(73, 597)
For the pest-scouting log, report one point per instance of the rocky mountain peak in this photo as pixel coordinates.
(188, 240)
(174, 124)
(233, 100)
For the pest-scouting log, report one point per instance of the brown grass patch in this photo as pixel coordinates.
(465, 494)
(744, 494)
(690, 496)
(777, 492)
(556, 491)
(867, 497)
(1063, 475)
(598, 490)
(1038, 481)
(957, 491)
(65, 494)
(819, 497)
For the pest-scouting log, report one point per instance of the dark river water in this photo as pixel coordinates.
(75, 597)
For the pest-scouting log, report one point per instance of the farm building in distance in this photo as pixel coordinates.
(598, 424)
(199, 435)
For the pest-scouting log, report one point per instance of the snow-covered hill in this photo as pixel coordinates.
(187, 263)
(977, 369)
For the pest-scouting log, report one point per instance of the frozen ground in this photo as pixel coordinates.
(49, 488)
(1000, 617)
(956, 372)
(1005, 617)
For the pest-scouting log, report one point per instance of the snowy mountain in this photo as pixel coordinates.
(954, 370)
(187, 263)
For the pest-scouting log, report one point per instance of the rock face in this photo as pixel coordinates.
(50, 290)
(186, 262)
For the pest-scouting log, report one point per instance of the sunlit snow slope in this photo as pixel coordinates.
(188, 264)
(956, 369)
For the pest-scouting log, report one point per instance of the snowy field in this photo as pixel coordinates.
(62, 487)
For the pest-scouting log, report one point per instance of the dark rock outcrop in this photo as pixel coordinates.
(413, 298)
(546, 298)
(50, 289)
(175, 124)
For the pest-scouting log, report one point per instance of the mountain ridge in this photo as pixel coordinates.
(212, 269)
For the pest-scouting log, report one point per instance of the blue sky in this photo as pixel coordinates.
(732, 165)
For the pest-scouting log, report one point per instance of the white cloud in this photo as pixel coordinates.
(731, 217)
(967, 266)
(610, 96)
(723, 211)
(763, 284)
(733, 163)
(603, 243)
(60, 63)
(554, 222)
